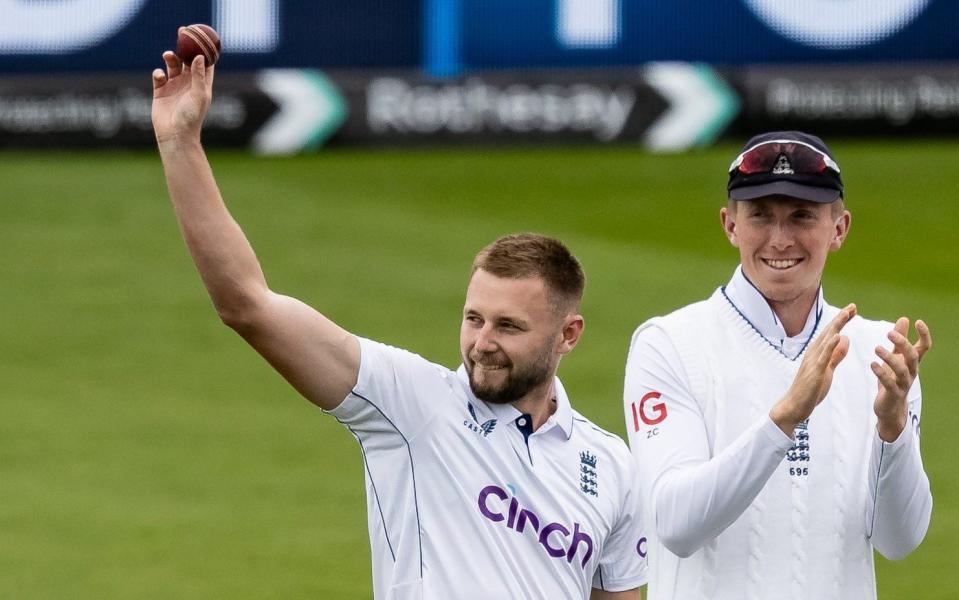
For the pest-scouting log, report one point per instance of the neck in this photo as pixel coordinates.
(539, 403)
(793, 313)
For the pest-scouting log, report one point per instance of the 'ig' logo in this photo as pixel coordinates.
(648, 412)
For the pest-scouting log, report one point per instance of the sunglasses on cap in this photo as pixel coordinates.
(785, 157)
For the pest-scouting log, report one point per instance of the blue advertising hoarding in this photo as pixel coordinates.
(449, 37)
(531, 33)
(297, 75)
(110, 35)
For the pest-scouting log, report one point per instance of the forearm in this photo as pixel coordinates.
(222, 254)
(695, 503)
(900, 502)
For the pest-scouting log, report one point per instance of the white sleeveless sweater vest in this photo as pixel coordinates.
(805, 535)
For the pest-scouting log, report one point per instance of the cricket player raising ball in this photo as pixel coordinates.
(777, 436)
(482, 482)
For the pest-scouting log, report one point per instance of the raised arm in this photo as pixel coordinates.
(320, 359)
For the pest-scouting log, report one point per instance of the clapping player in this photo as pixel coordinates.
(777, 435)
(482, 482)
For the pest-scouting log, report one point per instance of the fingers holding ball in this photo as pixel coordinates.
(197, 40)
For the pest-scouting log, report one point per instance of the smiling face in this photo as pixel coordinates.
(512, 337)
(783, 244)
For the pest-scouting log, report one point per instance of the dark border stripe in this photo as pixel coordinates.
(409, 451)
(875, 492)
(815, 327)
(594, 427)
(376, 495)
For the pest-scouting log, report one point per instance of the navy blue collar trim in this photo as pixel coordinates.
(753, 285)
(815, 326)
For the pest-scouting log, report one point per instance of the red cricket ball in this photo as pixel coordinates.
(198, 40)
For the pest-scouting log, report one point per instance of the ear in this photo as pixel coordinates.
(841, 230)
(728, 219)
(571, 332)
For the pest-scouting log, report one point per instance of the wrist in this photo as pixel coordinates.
(178, 141)
(784, 419)
(890, 428)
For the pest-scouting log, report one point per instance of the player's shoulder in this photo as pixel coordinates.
(599, 437)
(688, 317)
(393, 352)
(684, 314)
(401, 363)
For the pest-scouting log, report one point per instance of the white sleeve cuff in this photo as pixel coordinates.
(777, 436)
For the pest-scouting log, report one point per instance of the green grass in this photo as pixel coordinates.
(146, 452)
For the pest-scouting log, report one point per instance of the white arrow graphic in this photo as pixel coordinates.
(701, 105)
(311, 109)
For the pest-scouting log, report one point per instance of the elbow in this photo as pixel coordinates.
(681, 546)
(677, 532)
(896, 542)
(899, 550)
(242, 322)
(240, 313)
(902, 546)
(896, 554)
(237, 320)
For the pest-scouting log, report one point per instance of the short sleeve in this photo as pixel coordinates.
(396, 391)
(623, 564)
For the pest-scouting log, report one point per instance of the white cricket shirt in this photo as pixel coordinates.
(737, 509)
(465, 501)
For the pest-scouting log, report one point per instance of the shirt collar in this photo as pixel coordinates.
(754, 307)
(561, 419)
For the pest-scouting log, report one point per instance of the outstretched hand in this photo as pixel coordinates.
(896, 373)
(181, 97)
(814, 377)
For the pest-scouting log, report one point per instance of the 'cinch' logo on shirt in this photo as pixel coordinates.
(493, 499)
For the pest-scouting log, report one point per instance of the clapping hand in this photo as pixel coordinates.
(814, 377)
(896, 373)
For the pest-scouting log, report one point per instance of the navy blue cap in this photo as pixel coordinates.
(782, 179)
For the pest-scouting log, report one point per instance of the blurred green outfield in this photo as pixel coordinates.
(147, 452)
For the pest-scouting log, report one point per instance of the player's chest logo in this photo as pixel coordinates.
(798, 455)
(588, 475)
(557, 540)
(482, 429)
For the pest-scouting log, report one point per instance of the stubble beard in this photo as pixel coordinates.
(519, 380)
